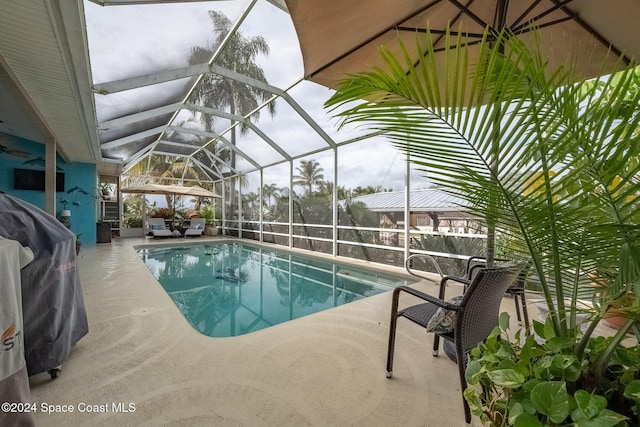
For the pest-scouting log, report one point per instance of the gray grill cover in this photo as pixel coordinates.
(53, 307)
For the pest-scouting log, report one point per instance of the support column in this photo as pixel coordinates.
(239, 197)
(261, 205)
(50, 176)
(407, 208)
(335, 202)
(290, 203)
(224, 206)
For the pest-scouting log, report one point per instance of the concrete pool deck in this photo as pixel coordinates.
(326, 369)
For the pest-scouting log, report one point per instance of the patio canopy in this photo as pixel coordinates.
(338, 37)
(170, 189)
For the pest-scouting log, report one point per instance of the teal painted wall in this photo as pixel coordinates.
(24, 154)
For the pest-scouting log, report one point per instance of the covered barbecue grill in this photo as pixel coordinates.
(53, 306)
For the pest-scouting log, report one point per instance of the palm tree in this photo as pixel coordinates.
(219, 92)
(326, 187)
(369, 189)
(269, 191)
(216, 148)
(566, 192)
(309, 175)
(161, 169)
(251, 200)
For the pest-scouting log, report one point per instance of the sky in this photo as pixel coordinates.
(130, 41)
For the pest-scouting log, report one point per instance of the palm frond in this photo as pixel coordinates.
(533, 153)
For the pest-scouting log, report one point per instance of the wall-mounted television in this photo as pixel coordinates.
(27, 179)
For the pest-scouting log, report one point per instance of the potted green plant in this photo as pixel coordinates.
(207, 213)
(543, 382)
(550, 164)
(104, 190)
(132, 225)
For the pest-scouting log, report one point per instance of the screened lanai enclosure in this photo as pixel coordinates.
(229, 95)
(212, 93)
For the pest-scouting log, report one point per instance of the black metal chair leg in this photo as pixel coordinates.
(515, 300)
(436, 345)
(525, 313)
(463, 386)
(392, 332)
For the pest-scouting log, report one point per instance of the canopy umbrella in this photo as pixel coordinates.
(339, 38)
(175, 190)
(171, 190)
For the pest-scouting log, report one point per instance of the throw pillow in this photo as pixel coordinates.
(444, 320)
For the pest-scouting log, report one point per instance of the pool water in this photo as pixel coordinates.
(227, 289)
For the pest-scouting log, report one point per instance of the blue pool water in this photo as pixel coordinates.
(227, 289)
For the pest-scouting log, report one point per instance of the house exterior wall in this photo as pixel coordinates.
(80, 178)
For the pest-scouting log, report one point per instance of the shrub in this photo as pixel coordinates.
(165, 213)
(133, 222)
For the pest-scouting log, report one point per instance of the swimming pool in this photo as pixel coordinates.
(227, 289)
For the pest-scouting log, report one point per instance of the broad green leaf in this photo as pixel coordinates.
(632, 390)
(527, 420)
(565, 366)
(526, 351)
(505, 365)
(503, 321)
(474, 367)
(558, 344)
(515, 411)
(542, 368)
(538, 328)
(522, 367)
(472, 398)
(508, 378)
(606, 418)
(551, 399)
(522, 397)
(549, 331)
(589, 405)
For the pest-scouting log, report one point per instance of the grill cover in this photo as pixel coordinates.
(53, 307)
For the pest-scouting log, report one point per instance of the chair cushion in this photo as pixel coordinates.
(157, 227)
(444, 320)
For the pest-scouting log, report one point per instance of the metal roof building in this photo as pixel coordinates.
(425, 200)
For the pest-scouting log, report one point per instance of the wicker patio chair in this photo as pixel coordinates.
(476, 315)
(516, 290)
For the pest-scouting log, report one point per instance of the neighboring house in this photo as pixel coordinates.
(429, 210)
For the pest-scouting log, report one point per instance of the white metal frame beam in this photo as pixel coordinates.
(133, 138)
(149, 79)
(215, 136)
(138, 117)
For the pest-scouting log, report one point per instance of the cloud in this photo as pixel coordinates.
(130, 41)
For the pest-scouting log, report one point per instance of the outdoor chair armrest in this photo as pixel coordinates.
(471, 267)
(426, 297)
(445, 279)
(462, 280)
